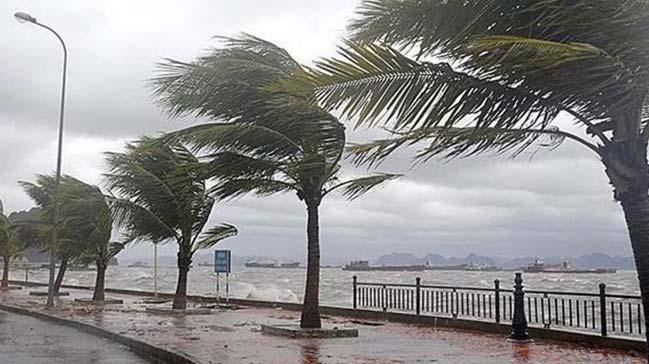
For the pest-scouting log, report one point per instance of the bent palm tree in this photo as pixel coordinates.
(88, 218)
(70, 245)
(266, 147)
(161, 197)
(17, 233)
(501, 73)
(11, 245)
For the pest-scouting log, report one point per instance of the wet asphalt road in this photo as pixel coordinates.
(25, 340)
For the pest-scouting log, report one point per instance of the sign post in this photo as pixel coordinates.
(223, 264)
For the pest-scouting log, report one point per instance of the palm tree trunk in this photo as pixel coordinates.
(5, 273)
(311, 308)
(180, 299)
(100, 281)
(636, 212)
(59, 276)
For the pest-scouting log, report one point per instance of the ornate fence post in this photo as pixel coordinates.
(602, 308)
(497, 299)
(519, 322)
(418, 295)
(354, 285)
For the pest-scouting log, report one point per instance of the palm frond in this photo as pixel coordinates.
(115, 248)
(596, 50)
(256, 140)
(214, 235)
(460, 143)
(355, 188)
(238, 187)
(576, 75)
(378, 84)
(444, 27)
(139, 222)
(227, 164)
(226, 82)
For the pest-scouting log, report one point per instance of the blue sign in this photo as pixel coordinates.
(222, 261)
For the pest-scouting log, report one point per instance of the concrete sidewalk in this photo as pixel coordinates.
(25, 340)
(233, 337)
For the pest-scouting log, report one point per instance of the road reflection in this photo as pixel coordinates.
(311, 353)
(521, 353)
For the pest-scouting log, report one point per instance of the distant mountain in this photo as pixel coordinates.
(393, 259)
(599, 260)
(431, 259)
(589, 261)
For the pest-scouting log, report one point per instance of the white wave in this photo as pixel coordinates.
(270, 293)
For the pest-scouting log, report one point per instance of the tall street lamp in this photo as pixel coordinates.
(26, 18)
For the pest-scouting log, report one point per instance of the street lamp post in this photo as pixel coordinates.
(26, 18)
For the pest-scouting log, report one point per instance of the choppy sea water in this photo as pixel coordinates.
(335, 284)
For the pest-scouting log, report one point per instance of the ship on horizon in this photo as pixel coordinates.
(255, 264)
(139, 265)
(565, 267)
(364, 265)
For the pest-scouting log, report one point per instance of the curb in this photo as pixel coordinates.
(139, 347)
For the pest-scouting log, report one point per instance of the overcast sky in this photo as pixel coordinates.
(558, 203)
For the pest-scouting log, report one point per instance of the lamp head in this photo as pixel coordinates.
(24, 17)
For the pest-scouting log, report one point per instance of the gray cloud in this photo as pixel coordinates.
(558, 202)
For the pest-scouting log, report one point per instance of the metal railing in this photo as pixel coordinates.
(599, 312)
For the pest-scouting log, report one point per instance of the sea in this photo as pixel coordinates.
(287, 285)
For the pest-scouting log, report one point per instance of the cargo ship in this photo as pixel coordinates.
(364, 265)
(138, 265)
(254, 264)
(565, 267)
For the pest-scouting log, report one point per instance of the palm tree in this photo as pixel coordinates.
(89, 222)
(160, 196)
(264, 147)
(7, 240)
(71, 246)
(16, 235)
(10, 245)
(493, 75)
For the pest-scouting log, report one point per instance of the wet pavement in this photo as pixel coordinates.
(26, 340)
(234, 337)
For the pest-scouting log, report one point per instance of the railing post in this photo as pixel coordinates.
(497, 299)
(354, 285)
(454, 303)
(418, 295)
(602, 308)
(519, 322)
